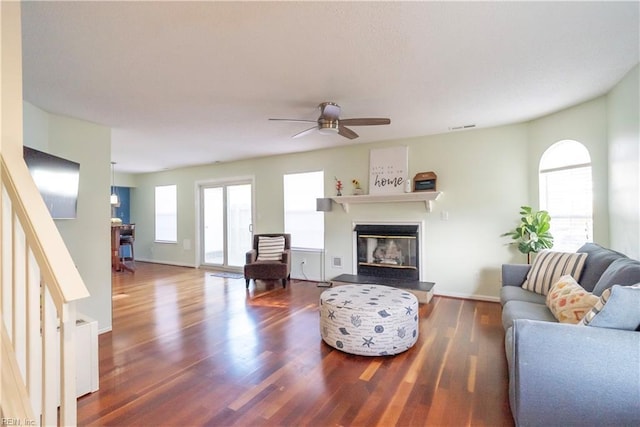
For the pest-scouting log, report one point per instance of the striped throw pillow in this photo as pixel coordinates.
(549, 266)
(270, 248)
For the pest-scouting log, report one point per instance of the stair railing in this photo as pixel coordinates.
(39, 287)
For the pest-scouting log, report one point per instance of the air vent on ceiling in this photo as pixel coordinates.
(462, 127)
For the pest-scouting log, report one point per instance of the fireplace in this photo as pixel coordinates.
(388, 251)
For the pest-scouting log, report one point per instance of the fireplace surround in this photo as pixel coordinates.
(388, 251)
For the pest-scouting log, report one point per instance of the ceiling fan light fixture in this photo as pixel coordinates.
(328, 127)
(330, 123)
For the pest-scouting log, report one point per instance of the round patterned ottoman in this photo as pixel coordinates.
(369, 320)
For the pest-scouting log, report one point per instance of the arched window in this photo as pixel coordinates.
(566, 192)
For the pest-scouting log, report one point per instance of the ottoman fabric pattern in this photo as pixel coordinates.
(369, 320)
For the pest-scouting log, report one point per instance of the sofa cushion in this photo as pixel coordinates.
(568, 301)
(596, 263)
(525, 310)
(549, 266)
(511, 293)
(618, 308)
(623, 271)
(270, 248)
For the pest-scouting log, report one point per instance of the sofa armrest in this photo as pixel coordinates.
(561, 374)
(514, 274)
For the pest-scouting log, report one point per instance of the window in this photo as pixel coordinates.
(566, 192)
(300, 217)
(166, 214)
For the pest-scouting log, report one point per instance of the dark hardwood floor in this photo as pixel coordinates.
(190, 349)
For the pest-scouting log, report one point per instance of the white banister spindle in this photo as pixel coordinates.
(34, 342)
(68, 412)
(49, 361)
(7, 262)
(19, 332)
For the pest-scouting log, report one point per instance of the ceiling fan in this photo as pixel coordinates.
(330, 122)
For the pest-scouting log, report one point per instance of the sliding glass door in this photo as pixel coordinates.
(225, 226)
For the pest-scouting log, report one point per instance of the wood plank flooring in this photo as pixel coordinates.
(191, 349)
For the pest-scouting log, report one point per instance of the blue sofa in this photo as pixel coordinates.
(564, 374)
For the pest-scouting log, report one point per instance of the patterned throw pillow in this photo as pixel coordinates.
(270, 248)
(568, 301)
(617, 308)
(549, 266)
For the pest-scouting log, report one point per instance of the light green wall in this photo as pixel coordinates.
(482, 193)
(485, 174)
(585, 123)
(624, 164)
(88, 236)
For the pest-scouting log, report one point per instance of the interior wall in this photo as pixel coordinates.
(88, 236)
(10, 79)
(624, 160)
(464, 250)
(485, 174)
(585, 123)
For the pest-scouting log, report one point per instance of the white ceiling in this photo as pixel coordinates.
(184, 83)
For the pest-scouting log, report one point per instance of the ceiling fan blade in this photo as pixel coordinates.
(346, 132)
(365, 121)
(304, 132)
(294, 120)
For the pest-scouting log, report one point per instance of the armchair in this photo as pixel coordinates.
(270, 258)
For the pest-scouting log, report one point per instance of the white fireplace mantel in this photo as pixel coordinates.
(428, 197)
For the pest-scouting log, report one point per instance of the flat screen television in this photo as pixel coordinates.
(57, 180)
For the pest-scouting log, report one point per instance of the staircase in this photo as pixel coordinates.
(38, 290)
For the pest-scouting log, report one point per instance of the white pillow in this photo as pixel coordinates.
(548, 267)
(270, 248)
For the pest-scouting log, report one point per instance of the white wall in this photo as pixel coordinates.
(10, 79)
(88, 236)
(624, 164)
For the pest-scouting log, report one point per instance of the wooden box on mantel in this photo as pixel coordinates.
(425, 181)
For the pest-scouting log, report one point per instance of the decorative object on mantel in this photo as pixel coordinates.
(357, 189)
(532, 235)
(338, 186)
(425, 181)
(388, 170)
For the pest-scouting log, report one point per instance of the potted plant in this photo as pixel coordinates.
(532, 235)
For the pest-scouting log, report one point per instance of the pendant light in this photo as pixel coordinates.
(114, 195)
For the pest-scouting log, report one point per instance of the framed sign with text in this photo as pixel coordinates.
(388, 169)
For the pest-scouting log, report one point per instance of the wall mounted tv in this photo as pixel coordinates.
(57, 180)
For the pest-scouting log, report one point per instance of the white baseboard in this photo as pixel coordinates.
(155, 261)
(466, 296)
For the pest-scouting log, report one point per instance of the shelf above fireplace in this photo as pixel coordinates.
(428, 197)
